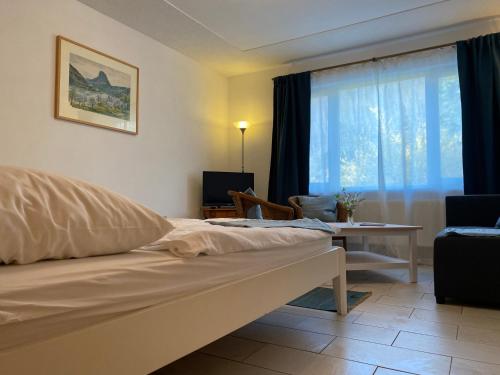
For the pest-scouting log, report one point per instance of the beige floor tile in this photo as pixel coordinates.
(480, 322)
(330, 327)
(425, 276)
(452, 348)
(350, 330)
(386, 371)
(404, 301)
(373, 298)
(356, 277)
(297, 362)
(451, 317)
(313, 342)
(231, 347)
(389, 356)
(430, 300)
(404, 293)
(411, 325)
(373, 287)
(397, 272)
(417, 302)
(352, 315)
(429, 297)
(479, 335)
(386, 310)
(202, 364)
(481, 313)
(427, 304)
(282, 319)
(420, 287)
(465, 367)
(377, 276)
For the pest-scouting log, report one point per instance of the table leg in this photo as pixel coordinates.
(364, 240)
(413, 257)
(340, 286)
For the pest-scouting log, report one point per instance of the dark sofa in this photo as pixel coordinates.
(468, 267)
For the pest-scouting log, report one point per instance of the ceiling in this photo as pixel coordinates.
(242, 36)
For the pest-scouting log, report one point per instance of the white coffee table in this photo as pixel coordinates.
(365, 260)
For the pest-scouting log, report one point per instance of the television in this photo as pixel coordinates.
(216, 185)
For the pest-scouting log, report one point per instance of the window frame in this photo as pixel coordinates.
(431, 75)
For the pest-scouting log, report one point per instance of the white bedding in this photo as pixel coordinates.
(192, 237)
(52, 297)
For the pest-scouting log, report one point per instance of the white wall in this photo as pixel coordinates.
(183, 127)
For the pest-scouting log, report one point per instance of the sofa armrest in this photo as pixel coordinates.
(472, 210)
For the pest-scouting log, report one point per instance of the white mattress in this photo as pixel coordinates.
(50, 298)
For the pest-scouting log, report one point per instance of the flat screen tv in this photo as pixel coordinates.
(216, 185)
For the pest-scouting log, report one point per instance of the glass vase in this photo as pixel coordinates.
(350, 217)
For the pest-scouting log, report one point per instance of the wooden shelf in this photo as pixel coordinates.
(365, 260)
(219, 212)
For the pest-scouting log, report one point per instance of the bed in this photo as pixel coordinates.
(135, 312)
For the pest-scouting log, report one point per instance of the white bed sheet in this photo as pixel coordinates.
(192, 237)
(50, 298)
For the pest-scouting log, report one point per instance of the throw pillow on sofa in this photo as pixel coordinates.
(254, 212)
(323, 207)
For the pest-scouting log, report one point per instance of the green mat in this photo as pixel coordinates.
(323, 299)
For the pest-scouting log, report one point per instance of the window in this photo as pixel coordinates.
(393, 124)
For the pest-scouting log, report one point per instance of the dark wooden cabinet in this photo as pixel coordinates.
(218, 212)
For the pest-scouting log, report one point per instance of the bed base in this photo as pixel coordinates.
(145, 340)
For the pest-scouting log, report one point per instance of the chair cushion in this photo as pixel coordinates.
(323, 207)
(254, 212)
(470, 232)
(45, 216)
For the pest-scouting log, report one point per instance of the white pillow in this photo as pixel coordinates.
(45, 216)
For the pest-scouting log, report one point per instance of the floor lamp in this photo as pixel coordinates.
(242, 125)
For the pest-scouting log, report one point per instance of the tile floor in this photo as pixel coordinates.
(398, 330)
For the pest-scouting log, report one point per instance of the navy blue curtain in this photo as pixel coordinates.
(479, 74)
(289, 173)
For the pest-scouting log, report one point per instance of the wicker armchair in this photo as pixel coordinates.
(270, 210)
(341, 215)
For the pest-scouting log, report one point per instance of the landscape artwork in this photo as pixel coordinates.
(93, 88)
(98, 88)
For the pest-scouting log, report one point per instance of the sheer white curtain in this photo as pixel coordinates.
(391, 129)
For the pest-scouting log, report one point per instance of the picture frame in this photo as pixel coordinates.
(93, 88)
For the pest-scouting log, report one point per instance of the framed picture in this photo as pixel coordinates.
(95, 89)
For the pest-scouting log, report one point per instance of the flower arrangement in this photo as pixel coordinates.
(350, 201)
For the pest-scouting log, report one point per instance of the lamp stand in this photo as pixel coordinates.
(242, 150)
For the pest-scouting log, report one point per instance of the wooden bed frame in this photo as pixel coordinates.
(145, 340)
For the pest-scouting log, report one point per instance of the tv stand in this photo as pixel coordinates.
(213, 212)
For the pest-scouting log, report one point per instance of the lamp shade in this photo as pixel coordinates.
(242, 124)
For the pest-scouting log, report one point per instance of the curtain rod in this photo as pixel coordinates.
(384, 57)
